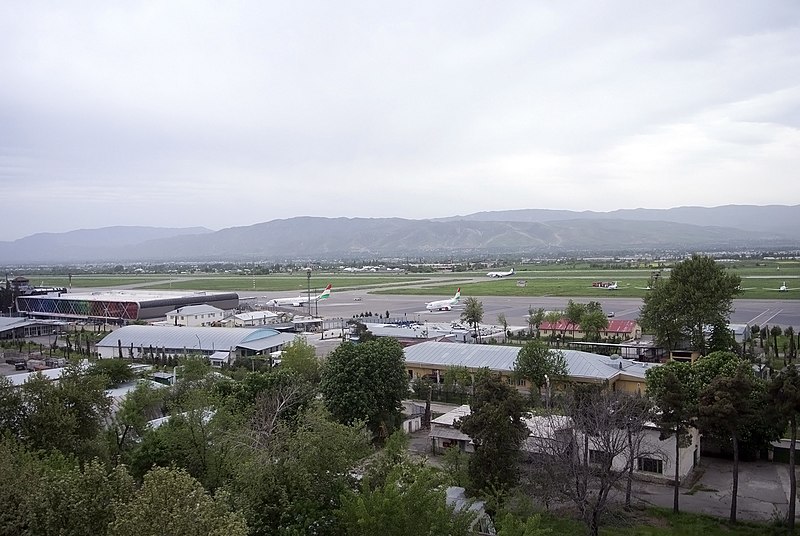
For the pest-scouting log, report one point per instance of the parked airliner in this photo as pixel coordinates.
(444, 305)
(500, 274)
(300, 300)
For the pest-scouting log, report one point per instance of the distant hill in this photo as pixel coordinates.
(360, 237)
(556, 232)
(783, 220)
(85, 245)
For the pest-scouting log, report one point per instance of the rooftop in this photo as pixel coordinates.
(196, 310)
(580, 365)
(191, 338)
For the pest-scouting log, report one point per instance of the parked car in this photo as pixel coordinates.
(611, 314)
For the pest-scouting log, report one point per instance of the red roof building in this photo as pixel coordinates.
(624, 329)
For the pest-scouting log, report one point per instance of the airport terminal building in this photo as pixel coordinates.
(119, 306)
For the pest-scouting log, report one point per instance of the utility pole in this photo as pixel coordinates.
(308, 281)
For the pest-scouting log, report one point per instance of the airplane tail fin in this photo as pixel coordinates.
(512, 271)
(458, 294)
(326, 293)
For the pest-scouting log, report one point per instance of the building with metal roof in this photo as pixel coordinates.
(432, 359)
(17, 327)
(120, 306)
(140, 341)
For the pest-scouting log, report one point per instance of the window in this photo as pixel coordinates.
(520, 383)
(650, 465)
(598, 456)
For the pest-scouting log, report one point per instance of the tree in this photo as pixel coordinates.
(457, 379)
(503, 321)
(574, 314)
(776, 332)
(11, 407)
(497, 430)
(171, 502)
(593, 323)
(115, 371)
(535, 319)
(784, 395)
(359, 331)
(539, 365)
(722, 339)
(77, 502)
(366, 381)
(670, 387)
(789, 332)
(553, 318)
(473, 315)
(399, 497)
(129, 424)
(725, 409)
(293, 480)
(301, 357)
(698, 293)
(581, 452)
(67, 416)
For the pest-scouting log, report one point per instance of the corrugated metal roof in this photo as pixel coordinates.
(581, 365)
(185, 337)
(268, 342)
(195, 310)
(12, 321)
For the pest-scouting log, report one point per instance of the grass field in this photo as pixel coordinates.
(274, 283)
(224, 282)
(660, 522)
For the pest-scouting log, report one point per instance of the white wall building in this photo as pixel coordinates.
(195, 316)
(657, 460)
(255, 318)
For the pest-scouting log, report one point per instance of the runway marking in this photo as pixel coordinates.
(766, 312)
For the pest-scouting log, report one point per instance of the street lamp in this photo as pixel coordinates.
(547, 381)
(199, 344)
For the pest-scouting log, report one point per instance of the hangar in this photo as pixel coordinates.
(225, 344)
(119, 306)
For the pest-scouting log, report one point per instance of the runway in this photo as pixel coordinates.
(344, 305)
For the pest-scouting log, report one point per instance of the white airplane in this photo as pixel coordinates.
(300, 300)
(610, 286)
(500, 274)
(783, 288)
(444, 305)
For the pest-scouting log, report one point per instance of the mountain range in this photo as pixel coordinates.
(530, 231)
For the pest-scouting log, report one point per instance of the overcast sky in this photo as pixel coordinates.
(219, 114)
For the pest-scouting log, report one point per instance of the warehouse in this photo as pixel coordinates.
(120, 306)
(221, 344)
